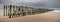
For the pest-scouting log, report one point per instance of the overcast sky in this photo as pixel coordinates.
(24, 2)
(30, 2)
(37, 3)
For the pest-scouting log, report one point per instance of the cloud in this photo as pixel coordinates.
(36, 3)
(20, 1)
(31, 2)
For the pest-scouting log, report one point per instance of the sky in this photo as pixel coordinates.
(35, 3)
(24, 2)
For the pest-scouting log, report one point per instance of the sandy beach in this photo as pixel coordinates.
(44, 17)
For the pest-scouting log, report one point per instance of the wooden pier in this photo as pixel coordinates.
(17, 11)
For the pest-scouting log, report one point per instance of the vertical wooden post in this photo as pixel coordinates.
(21, 10)
(4, 10)
(10, 11)
(16, 12)
(7, 10)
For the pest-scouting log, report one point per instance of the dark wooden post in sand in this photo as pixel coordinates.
(4, 10)
(10, 11)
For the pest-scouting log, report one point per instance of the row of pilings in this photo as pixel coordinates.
(16, 11)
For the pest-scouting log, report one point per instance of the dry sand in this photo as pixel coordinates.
(44, 17)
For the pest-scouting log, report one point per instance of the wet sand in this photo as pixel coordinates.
(44, 17)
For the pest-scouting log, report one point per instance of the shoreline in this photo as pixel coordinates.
(56, 11)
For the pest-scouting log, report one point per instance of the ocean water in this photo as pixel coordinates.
(56, 11)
